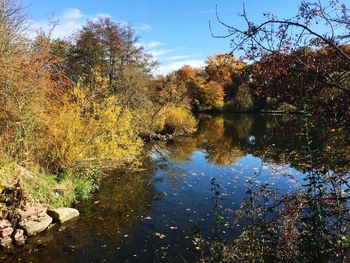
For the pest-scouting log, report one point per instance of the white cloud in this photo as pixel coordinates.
(166, 68)
(61, 29)
(177, 57)
(160, 52)
(72, 14)
(153, 44)
(169, 60)
(67, 23)
(150, 45)
(70, 21)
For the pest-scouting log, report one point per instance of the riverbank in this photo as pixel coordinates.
(29, 199)
(23, 189)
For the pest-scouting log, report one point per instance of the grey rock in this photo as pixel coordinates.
(32, 211)
(33, 227)
(19, 237)
(63, 214)
(7, 231)
(4, 223)
(6, 241)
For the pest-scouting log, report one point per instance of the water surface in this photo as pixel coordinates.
(195, 185)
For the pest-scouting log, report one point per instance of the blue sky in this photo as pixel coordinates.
(175, 32)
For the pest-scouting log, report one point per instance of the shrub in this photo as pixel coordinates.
(179, 121)
(87, 132)
(285, 107)
(85, 184)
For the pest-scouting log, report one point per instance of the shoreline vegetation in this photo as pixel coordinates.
(73, 108)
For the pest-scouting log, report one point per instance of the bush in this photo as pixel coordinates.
(85, 184)
(90, 133)
(179, 121)
(285, 107)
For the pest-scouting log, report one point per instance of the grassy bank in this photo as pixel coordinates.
(47, 189)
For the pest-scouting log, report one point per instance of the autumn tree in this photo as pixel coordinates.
(25, 82)
(222, 67)
(109, 47)
(225, 69)
(205, 94)
(287, 37)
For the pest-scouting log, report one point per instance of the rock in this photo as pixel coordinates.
(4, 223)
(7, 231)
(31, 211)
(41, 214)
(19, 237)
(35, 226)
(52, 225)
(6, 242)
(62, 215)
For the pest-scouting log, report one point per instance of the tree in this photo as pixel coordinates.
(25, 82)
(206, 95)
(108, 46)
(275, 34)
(222, 67)
(307, 55)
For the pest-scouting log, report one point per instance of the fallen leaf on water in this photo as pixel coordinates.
(160, 235)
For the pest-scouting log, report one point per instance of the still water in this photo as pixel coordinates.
(271, 188)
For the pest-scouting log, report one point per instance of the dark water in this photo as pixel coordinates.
(288, 176)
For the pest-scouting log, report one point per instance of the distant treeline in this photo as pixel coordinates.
(317, 81)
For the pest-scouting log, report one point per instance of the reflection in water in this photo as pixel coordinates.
(246, 188)
(309, 224)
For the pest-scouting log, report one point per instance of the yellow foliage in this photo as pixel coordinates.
(222, 67)
(91, 132)
(179, 121)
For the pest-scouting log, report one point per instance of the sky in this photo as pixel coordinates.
(174, 32)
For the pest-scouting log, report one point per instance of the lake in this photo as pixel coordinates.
(275, 184)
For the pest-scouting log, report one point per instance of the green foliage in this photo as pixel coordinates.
(69, 107)
(63, 191)
(242, 101)
(109, 46)
(85, 184)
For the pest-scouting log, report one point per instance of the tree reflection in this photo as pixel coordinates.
(311, 225)
(225, 139)
(125, 198)
(308, 223)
